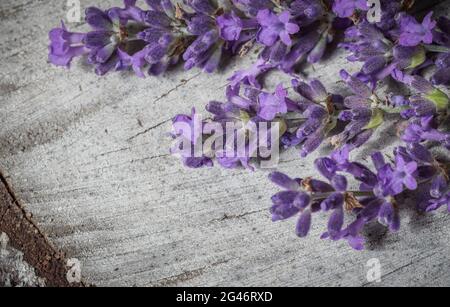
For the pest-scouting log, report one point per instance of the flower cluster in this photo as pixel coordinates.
(400, 45)
(153, 39)
(425, 111)
(199, 33)
(306, 120)
(414, 169)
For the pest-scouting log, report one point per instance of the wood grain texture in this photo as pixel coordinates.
(88, 157)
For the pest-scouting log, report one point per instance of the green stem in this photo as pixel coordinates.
(277, 5)
(391, 110)
(362, 194)
(295, 122)
(319, 196)
(436, 48)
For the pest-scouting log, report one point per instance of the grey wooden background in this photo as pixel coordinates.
(89, 158)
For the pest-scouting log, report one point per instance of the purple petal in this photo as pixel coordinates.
(304, 224)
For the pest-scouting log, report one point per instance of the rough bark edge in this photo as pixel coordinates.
(25, 236)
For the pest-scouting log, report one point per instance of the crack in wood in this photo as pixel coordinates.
(7, 12)
(183, 83)
(150, 158)
(148, 130)
(235, 217)
(401, 268)
(292, 160)
(112, 152)
(188, 275)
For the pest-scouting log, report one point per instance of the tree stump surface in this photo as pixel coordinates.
(87, 160)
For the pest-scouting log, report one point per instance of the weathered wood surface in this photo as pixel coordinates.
(88, 157)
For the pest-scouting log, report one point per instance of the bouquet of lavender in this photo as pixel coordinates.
(382, 36)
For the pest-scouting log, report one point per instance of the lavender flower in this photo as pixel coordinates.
(230, 26)
(429, 95)
(439, 194)
(275, 27)
(250, 76)
(363, 115)
(318, 108)
(65, 46)
(189, 138)
(433, 174)
(389, 12)
(423, 130)
(270, 105)
(442, 75)
(413, 33)
(380, 55)
(441, 36)
(346, 8)
(302, 197)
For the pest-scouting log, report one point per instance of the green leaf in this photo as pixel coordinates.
(376, 120)
(244, 116)
(439, 98)
(283, 126)
(418, 58)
